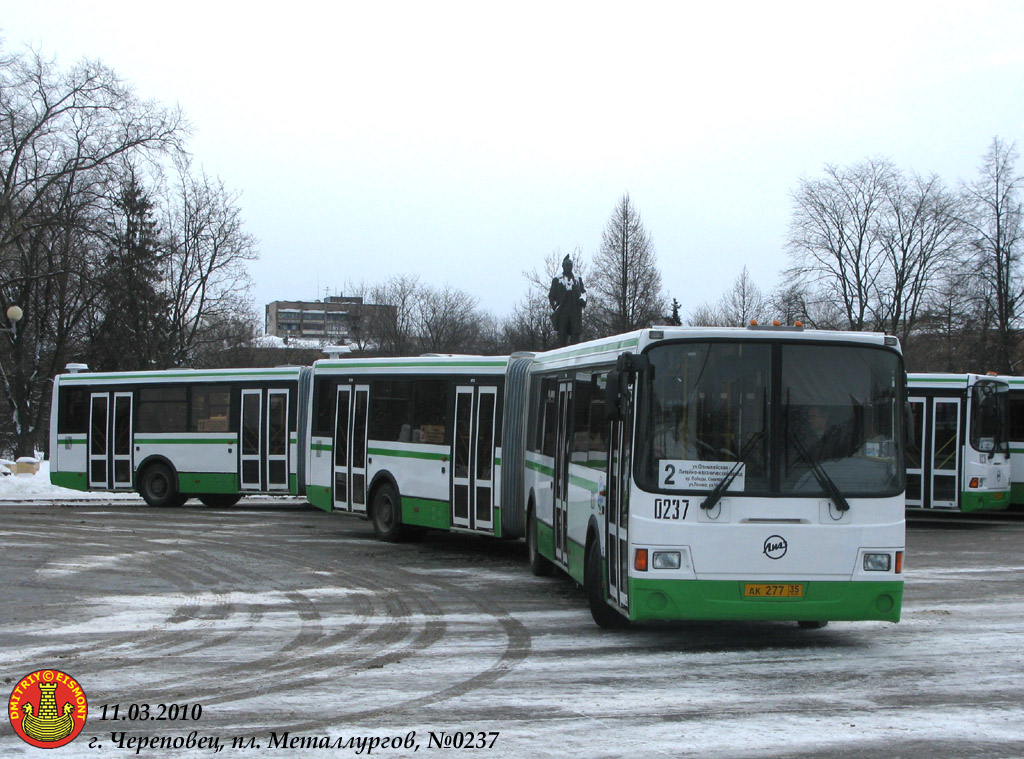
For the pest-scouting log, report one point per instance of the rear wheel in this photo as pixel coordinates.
(220, 500)
(593, 579)
(387, 514)
(539, 564)
(158, 486)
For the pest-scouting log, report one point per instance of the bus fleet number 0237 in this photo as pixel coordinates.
(671, 508)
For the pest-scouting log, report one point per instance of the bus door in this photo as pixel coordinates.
(350, 448)
(473, 457)
(110, 441)
(263, 453)
(916, 446)
(617, 510)
(563, 454)
(945, 452)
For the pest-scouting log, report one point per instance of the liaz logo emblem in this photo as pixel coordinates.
(775, 547)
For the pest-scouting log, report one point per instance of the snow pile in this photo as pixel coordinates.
(37, 487)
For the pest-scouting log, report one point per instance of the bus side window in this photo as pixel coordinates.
(74, 418)
(549, 413)
(430, 407)
(391, 411)
(581, 421)
(598, 452)
(163, 409)
(210, 408)
(323, 408)
(1016, 424)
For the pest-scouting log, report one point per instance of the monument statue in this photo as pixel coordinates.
(567, 297)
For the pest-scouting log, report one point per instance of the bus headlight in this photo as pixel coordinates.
(666, 560)
(877, 562)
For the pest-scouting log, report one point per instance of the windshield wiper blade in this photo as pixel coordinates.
(826, 482)
(723, 484)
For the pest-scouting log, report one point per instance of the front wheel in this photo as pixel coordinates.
(593, 579)
(387, 514)
(158, 486)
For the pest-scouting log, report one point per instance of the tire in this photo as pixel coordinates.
(220, 500)
(158, 486)
(539, 564)
(387, 514)
(593, 579)
(812, 625)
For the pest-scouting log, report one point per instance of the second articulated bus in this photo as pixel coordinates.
(958, 451)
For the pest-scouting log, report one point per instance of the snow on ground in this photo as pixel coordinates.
(37, 487)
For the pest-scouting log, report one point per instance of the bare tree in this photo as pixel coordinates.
(833, 240)
(448, 320)
(994, 219)
(394, 329)
(740, 304)
(625, 279)
(205, 274)
(60, 132)
(921, 235)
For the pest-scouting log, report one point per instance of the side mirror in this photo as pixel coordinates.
(616, 391)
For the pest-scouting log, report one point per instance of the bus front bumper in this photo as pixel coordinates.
(821, 601)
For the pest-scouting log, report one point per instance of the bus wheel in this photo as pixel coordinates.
(158, 486)
(220, 500)
(604, 615)
(387, 514)
(811, 624)
(539, 564)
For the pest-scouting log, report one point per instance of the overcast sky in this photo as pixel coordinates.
(464, 142)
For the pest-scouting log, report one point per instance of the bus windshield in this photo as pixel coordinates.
(799, 418)
(989, 412)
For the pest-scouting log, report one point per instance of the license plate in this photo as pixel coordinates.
(773, 590)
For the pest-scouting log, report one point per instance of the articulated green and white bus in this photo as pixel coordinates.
(410, 443)
(684, 473)
(676, 473)
(170, 435)
(958, 449)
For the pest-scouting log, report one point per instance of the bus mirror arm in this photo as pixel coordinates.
(616, 390)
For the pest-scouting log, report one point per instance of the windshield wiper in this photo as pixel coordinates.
(723, 484)
(826, 482)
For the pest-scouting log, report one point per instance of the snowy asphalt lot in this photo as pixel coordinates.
(276, 617)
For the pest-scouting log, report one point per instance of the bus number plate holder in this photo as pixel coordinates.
(773, 590)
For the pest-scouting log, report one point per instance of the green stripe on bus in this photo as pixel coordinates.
(576, 480)
(538, 467)
(408, 454)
